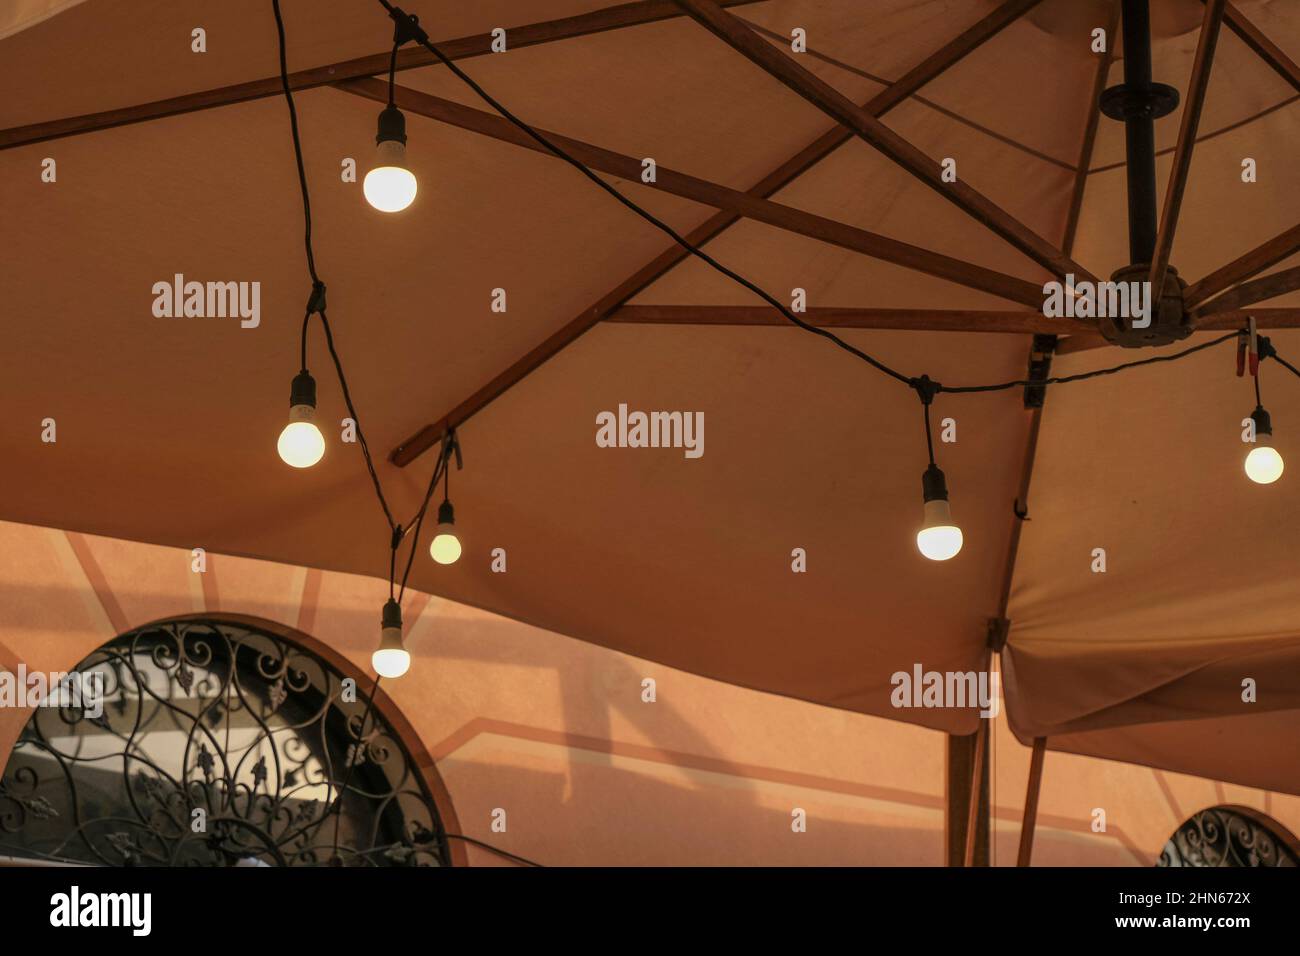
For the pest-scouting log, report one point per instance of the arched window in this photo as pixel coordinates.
(215, 743)
(1231, 837)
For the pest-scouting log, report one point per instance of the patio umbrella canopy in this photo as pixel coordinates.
(171, 162)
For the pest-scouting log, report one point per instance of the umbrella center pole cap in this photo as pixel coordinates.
(1168, 318)
(1132, 101)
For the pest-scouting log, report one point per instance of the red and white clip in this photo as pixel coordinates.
(1248, 343)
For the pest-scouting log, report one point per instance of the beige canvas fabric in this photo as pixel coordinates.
(167, 427)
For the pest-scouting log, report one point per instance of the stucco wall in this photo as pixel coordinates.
(555, 731)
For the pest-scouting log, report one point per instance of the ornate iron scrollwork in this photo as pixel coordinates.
(217, 744)
(1228, 837)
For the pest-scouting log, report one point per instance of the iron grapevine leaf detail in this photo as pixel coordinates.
(277, 693)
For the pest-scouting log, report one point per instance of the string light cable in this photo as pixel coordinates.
(408, 26)
(390, 187)
(938, 539)
(392, 134)
(391, 659)
(303, 392)
(1279, 359)
(1263, 463)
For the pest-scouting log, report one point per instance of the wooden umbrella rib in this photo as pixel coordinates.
(928, 103)
(1264, 48)
(1091, 124)
(1219, 321)
(699, 190)
(831, 317)
(1262, 257)
(1192, 108)
(533, 34)
(925, 71)
(1032, 790)
(1264, 319)
(1276, 249)
(738, 35)
(948, 54)
(1257, 290)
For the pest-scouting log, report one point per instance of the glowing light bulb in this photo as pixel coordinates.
(391, 661)
(391, 658)
(301, 444)
(939, 539)
(445, 547)
(1264, 464)
(390, 186)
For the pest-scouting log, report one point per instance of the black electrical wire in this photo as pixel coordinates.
(421, 37)
(353, 758)
(492, 849)
(413, 30)
(929, 439)
(392, 74)
(1082, 376)
(1285, 364)
(297, 143)
(443, 466)
(317, 305)
(311, 267)
(398, 532)
(409, 27)
(352, 411)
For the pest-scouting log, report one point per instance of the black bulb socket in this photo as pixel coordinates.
(392, 616)
(1263, 421)
(392, 126)
(303, 390)
(934, 485)
(446, 513)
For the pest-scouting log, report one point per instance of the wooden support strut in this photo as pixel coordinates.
(976, 789)
(459, 48)
(1263, 256)
(1248, 293)
(882, 102)
(1192, 106)
(741, 38)
(1264, 48)
(699, 190)
(834, 317)
(1031, 802)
